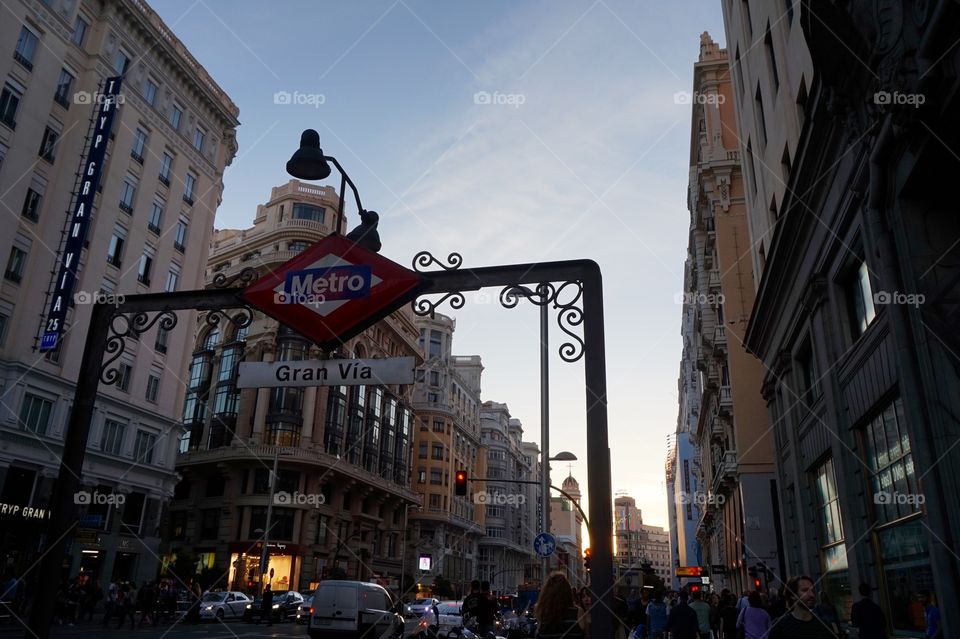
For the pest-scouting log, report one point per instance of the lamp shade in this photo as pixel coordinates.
(308, 162)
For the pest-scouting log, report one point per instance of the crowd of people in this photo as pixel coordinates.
(795, 611)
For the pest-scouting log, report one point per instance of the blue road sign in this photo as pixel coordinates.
(544, 544)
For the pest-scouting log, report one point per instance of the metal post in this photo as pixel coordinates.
(63, 518)
(545, 422)
(264, 552)
(598, 453)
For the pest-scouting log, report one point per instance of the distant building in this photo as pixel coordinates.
(566, 524)
(507, 558)
(149, 232)
(447, 530)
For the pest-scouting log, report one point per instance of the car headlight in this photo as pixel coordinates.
(249, 606)
(275, 606)
(209, 608)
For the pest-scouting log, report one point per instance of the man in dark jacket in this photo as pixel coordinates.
(266, 605)
(682, 621)
(867, 617)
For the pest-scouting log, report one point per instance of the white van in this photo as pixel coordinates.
(353, 609)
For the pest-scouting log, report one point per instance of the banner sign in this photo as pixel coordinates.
(329, 372)
(106, 104)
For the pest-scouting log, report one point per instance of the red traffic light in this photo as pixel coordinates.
(694, 587)
(460, 483)
(756, 584)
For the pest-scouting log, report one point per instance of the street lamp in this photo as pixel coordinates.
(309, 163)
(564, 456)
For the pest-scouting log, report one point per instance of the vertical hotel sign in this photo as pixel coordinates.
(106, 104)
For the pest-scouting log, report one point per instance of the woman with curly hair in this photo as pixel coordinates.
(557, 613)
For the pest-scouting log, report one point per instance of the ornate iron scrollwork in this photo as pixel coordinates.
(424, 306)
(245, 277)
(425, 259)
(565, 298)
(131, 325)
(241, 318)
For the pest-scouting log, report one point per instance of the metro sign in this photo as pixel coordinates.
(333, 291)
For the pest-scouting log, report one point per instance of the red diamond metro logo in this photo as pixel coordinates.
(333, 291)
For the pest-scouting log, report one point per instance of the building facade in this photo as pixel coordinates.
(447, 438)
(736, 530)
(506, 550)
(855, 315)
(339, 503)
(172, 136)
(638, 546)
(655, 550)
(683, 456)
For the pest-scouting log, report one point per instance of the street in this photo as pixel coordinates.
(211, 630)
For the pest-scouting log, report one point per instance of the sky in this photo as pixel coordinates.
(509, 132)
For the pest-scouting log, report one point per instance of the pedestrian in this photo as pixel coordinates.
(778, 604)
(867, 616)
(715, 615)
(585, 599)
(682, 622)
(931, 616)
(193, 596)
(728, 616)
(754, 620)
(657, 616)
(471, 603)
(800, 622)
(557, 614)
(487, 612)
(702, 608)
(743, 601)
(266, 606)
(146, 602)
(126, 604)
(827, 613)
(110, 607)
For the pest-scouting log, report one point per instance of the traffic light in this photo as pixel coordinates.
(694, 588)
(460, 483)
(752, 571)
(586, 559)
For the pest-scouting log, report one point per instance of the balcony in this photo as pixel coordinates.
(126, 208)
(720, 335)
(717, 428)
(164, 179)
(714, 281)
(726, 399)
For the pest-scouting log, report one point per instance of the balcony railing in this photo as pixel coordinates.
(726, 398)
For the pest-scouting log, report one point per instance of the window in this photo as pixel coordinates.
(115, 250)
(121, 62)
(173, 278)
(153, 388)
(143, 447)
(143, 270)
(761, 119)
(437, 451)
(209, 523)
(176, 113)
(139, 143)
(9, 101)
(436, 477)
(421, 476)
(747, 19)
(439, 426)
(748, 164)
(79, 31)
(48, 145)
(16, 264)
(298, 246)
(127, 192)
(111, 437)
(150, 91)
(436, 338)
(133, 509)
(771, 60)
(64, 84)
(198, 136)
(126, 372)
(894, 484)
(423, 450)
(188, 185)
(4, 321)
(828, 504)
(160, 344)
(31, 206)
(156, 217)
(26, 48)
(308, 212)
(165, 165)
(807, 370)
(180, 236)
(178, 525)
(35, 414)
(859, 295)
(434, 502)
(435, 378)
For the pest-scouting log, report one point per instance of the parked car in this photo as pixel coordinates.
(419, 606)
(303, 612)
(285, 606)
(353, 609)
(223, 605)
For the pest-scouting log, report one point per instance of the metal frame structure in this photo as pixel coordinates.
(578, 298)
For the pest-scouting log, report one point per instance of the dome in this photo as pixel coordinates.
(570, 485)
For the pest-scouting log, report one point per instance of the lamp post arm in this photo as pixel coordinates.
(536, 483)
(344, 178)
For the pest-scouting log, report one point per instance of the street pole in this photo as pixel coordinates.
(264, 552)
(545, 422)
